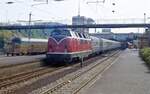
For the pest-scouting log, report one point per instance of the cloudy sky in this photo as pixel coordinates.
(64, 10)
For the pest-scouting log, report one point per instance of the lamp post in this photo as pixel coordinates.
(144, 18)
(29, 34)
(96, 2)
(30, 15)
(30, 18)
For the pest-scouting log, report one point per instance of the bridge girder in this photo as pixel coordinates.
(14, 27)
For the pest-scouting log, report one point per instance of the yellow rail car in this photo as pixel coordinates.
(25, 46)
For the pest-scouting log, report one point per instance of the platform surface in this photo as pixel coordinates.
(4, 60)
(128, 75)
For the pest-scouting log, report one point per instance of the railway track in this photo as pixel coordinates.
(69, 82)
(21, 77)
(18, 64)
(26, 76)
(7, 71)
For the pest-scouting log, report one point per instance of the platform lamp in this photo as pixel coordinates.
(96, 2)
(144, 18)
(30, 14)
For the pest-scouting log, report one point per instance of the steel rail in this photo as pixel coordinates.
(69, 80)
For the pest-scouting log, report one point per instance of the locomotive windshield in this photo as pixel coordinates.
(59, 32)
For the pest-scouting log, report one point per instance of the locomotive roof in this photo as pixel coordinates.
(105, 40)
(109, 40)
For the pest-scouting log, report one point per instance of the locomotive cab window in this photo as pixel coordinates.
(59, 32)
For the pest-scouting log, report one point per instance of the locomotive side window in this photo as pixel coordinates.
(80, 35)
(84, 35)
(76, 34)
(59, 32)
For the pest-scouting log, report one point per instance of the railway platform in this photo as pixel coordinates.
(128, 75)
(4, 60)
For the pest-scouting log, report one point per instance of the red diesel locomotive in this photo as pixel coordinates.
(65, 45)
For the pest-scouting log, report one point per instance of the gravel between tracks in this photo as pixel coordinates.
(71, 82)
(11, 70)
(44, 80)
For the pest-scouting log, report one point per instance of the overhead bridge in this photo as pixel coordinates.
(14, 27)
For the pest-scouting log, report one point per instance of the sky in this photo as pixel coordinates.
(63, 11)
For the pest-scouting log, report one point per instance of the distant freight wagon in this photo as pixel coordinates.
(25, 46)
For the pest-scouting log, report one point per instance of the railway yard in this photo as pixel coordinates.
(9, 61)
(70, 47)
(116, 72)
(71, 60)
(34, 76)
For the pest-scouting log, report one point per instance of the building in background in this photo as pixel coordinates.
(144, 39)
(106, 30)
(81, 20)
